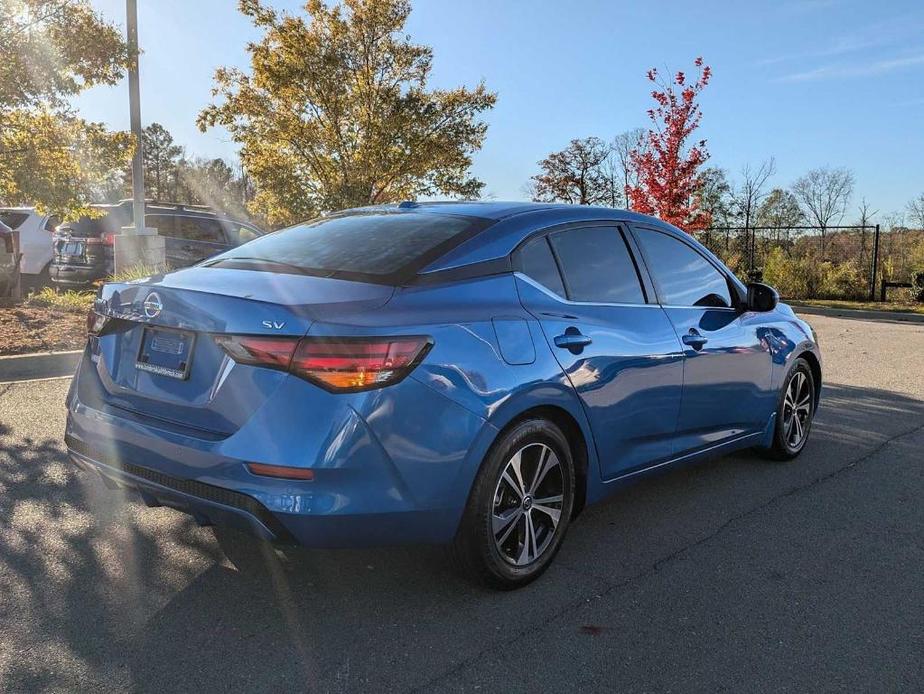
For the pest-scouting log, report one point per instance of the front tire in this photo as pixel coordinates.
(519, 507)
(794, 414)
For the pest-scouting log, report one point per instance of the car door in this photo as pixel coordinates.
(727, 366)
(36, 242)
(618, 349)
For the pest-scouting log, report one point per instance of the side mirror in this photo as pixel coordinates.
(762, 297)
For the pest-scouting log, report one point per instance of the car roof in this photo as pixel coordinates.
(495, 210)
(124, 208)
(513, 222)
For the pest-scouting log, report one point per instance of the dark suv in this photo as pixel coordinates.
(83, 249)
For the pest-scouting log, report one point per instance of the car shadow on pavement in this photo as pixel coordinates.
(101, 592)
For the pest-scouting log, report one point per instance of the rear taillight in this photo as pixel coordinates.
(274, 352)
(95, 322)
(104, 239)
(337, 364)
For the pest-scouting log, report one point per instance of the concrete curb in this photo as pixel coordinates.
(27, 367)
(859, 314)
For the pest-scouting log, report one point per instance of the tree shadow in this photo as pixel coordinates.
(100, 591)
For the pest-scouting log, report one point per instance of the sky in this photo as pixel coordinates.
(809, 82)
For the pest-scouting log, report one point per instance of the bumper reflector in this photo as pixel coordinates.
(280, 471)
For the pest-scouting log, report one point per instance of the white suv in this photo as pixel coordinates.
(35, 241)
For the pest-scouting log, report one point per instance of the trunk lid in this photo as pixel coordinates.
(158, 357)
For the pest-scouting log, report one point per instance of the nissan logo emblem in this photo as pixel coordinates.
(153, 305)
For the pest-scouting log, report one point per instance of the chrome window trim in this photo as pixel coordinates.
(529, 280)
(569, 302)
(702, 308)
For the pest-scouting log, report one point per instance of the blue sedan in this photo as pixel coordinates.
(471, 374)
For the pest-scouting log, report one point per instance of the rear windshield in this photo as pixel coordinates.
(376, 247)
(13, 219)
(111, 223)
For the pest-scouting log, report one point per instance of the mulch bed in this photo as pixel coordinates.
(25, 329)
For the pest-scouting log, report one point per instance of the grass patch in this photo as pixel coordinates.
(70, 301)
(137, 272)
(892, 306)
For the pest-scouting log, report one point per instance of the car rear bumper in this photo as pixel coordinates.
(213, 505)
(208, 504)
(363, 494)
(75, 275)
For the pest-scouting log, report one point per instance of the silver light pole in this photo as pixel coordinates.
(136, 245)
(134, 105)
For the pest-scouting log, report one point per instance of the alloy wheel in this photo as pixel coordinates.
(528, 502)
(797, 410)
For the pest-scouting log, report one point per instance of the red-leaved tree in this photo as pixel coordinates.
(666, 166)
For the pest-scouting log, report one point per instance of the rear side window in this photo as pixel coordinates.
(535, 260)
(376, 247)
(597, 266)
(13, 219)
(199, 229)
(683, 276)
(165, 224)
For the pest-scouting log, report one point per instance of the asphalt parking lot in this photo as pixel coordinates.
(737, 575)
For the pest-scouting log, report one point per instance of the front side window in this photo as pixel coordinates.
(241, 233)
(683, 276)
(597, 266)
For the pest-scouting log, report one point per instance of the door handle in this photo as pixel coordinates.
(572, 340)
(694, 339)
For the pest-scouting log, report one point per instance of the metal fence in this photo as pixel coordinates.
(748, 250)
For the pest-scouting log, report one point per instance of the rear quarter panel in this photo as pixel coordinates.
(480, 360)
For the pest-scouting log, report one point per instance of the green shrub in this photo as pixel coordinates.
(809, 278)
(786, 274)
(843, 281)
(70, 301)
(917, 285)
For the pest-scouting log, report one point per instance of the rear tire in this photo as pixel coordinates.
(519, 507)
(794, 414)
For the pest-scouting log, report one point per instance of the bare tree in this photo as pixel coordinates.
(748, 196)
(916, 211)
(615, 188)
(863, 221)
(575, 174)
(824, 194)
(780, 209)
(620, 149)
(716, 199)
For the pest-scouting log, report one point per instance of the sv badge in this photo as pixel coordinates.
(273, 325)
